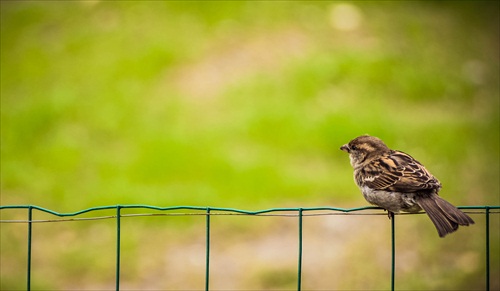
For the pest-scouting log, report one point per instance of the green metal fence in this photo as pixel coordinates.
(211, 211)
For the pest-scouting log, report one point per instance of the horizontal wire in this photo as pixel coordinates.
(201, 208)
(217, 214)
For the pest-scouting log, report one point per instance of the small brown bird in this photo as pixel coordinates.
(397, 182)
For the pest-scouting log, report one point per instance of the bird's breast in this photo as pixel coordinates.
(392, 201)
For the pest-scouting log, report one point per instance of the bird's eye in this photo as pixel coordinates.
(354, 147)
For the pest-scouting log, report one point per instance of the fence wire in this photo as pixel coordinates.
(299, 212)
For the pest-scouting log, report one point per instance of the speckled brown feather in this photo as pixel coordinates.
(396, 171)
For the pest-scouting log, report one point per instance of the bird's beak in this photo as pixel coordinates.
(345, 148)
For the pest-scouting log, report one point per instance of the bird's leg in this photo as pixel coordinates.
(390, 214)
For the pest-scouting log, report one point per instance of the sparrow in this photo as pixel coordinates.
(395, 181)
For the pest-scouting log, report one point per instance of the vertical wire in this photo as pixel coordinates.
(118, 234)
(30, 231)
(299, 275)
(487, 248)
(393, 252)
(207, 259)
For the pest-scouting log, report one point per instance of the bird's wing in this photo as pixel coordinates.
(397, 171)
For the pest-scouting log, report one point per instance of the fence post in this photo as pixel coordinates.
(30, 231)
(393, 252)
(118, 234)
(207, 259)
(299, 275)
(487, 248)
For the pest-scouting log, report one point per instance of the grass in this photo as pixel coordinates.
(243, 105)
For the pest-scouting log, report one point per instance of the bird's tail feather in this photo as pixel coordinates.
(443, 214)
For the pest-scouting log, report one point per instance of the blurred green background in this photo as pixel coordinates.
(244, 105)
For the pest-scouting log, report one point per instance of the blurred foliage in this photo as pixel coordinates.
(244, 104)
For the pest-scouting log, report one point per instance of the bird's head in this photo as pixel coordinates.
(363, 148)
